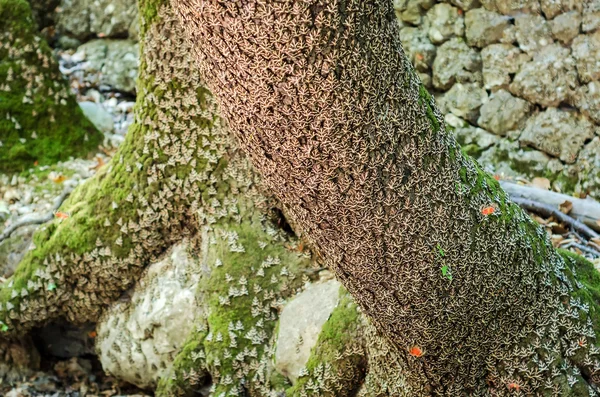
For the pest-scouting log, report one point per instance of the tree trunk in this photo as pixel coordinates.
(178, 174)
(40, 120)
(458, 278)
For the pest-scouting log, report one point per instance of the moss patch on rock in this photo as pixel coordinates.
(39, 117)
(337, 364)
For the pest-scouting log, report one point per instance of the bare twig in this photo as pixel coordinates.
(548, 210)
(36, 220)
(586, 211)
(583, 248)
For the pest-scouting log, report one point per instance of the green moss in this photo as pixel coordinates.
(340, 332)
(583, 271)
(255, 309)
(39, 117)
(426, 100)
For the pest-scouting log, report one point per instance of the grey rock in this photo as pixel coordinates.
(552, 8)
(411, 11)
(566, 26)
(445, 22)
(418, 47)
(465, 4)
(112, 62)
(533, 32)
(468, 135)
(300, 324)
(586, 51)
(503, 112)
(425, 79)
(509, 159)
(512, 7)
(588, 168)
(591, 16)
(68, 43)
(464, 100)
(549, 79)
(509, 36)
(99, 116)
(499, 62)
(456, 62)
(587, 100)
(14, 248)
(83, 19)
(557, 132)
(484, 27)
(151, 327)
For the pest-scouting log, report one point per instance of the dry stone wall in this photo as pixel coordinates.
(519, 81)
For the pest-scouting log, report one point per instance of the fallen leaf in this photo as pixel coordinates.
(595, 240)
(35, 163)
(566, 207)
(59, 179)
(542, 183)
(92, 334)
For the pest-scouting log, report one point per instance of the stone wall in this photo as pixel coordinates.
(518, 81)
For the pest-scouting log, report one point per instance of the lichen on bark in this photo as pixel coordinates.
(39, 117)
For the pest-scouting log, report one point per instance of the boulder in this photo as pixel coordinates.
(588, 167)
(512, 7)
(586, 51)
(140, 334)
(469, 136)
(557, 132)
(565, 27)
(300, 325)
(484, 27)
(553, 8)
(508, 158)
(465, 5)
(591, 16)
(499, 62)
(411, 11)
(418, 47)
(503, 112)
(549, 79)
(587, 100)
(85, 19)
(98, 116)
(456, 62)
(464, 101)
(532, 32)
(445, 22)
(111, 62)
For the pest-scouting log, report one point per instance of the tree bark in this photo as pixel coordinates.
(323, 99)
(40, 120)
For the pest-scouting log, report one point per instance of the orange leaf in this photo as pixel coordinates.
(59, 179)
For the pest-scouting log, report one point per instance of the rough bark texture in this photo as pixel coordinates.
(39, 117)
(177, 174)
(322, 97)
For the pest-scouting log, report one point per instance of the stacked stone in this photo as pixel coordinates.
(519, 82)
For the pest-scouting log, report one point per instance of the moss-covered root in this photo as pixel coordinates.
(253, 267)
(134, 208)
(39, 117)
(337, 364)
